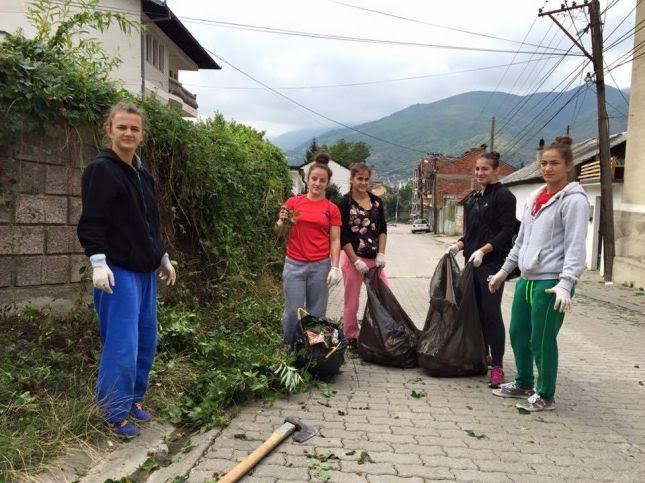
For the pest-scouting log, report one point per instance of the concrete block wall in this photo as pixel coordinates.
(40, 256)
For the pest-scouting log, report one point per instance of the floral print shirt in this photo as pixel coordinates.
(361, 227)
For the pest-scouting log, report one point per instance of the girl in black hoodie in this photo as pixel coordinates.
(119, 230)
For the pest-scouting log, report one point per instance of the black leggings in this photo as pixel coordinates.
(490, 313)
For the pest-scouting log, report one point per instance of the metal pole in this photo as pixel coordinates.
(492, 134)
(435, 222)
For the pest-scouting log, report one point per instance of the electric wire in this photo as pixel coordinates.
(312, 111)
(365, 83)
(431, 24)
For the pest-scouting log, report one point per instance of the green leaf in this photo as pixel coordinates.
(476, 434)
(150, 465)
(364, 457)
(417, 394)
(322, 474)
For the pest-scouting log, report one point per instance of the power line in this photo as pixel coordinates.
(293, 101)
(383, 81)
(522, 133)
(271, 30)
(517, 146)
(455, 29)
(616, 85)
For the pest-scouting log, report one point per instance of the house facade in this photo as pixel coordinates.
(150, 60)
(526, 180)
(340, 175)
(629, 217)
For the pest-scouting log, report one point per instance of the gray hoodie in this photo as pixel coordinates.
(551, 244)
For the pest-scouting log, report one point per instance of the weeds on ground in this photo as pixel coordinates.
(210, 360)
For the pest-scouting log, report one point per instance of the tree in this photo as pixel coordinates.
(345, 153)
(311, 151)
(333, 194)
(404, 196)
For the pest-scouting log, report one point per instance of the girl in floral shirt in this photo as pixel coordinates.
(363, 239)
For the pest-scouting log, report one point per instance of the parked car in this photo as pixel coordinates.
(420, 225)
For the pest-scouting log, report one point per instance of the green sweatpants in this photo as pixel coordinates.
(534, 328)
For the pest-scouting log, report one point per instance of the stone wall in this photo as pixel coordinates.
(41, 259)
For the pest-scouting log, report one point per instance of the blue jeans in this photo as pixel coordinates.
(128, 329)
(305, 285)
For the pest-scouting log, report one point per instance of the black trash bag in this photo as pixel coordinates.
(451, 343)
(388, 335)
(320, 347)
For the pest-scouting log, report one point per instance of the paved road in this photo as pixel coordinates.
(597, 432)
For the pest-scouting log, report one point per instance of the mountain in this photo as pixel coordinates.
(456, 124)
(292, 139)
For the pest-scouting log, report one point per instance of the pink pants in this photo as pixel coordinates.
(353, 281)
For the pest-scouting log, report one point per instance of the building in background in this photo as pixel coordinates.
(629, 215)
(151, 60)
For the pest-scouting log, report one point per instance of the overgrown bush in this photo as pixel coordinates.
(220, 185)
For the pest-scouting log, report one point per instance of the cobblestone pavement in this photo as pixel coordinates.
(373, 429)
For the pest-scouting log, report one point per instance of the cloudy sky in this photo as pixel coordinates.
(290, 61)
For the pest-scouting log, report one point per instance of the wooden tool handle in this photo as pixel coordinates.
(254, 458)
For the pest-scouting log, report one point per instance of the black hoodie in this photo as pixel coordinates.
(490, 218)
(120, 217)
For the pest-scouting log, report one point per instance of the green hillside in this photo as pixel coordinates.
(456, 124)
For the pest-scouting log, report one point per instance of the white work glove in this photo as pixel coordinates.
(333, 277)
(562, 298)
(496, 281)
(167, 271)
(477, 258)
(380, 259)
(102, 276)
(452, 249)
(361, 266)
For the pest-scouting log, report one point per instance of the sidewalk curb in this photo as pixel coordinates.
(128, 457)
(183, 463)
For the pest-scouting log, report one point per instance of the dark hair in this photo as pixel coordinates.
(562, 144)
(493, 157)
(356, 168)
(321, 161)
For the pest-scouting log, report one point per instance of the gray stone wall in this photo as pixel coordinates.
(41, 259)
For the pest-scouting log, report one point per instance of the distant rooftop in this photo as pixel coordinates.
(583, 151)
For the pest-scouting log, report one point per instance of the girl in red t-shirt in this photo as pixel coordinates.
(313, 249)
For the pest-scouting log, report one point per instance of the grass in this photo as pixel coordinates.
(210, 359)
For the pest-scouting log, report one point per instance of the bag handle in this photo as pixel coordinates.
(301, 313)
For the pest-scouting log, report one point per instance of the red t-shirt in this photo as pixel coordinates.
(309, 236)
(541, 200)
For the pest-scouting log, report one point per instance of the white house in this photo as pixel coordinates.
(297, 180)
(151, 60)
(526, 180)
(340, 175)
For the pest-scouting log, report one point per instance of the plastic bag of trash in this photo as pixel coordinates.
(320, 347)
(388, 335)
(451, 343)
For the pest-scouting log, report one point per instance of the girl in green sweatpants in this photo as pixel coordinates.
(550, 253)
(534, 327)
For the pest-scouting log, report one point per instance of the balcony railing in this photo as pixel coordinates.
(180, 91)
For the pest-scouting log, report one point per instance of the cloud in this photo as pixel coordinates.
(280, 60)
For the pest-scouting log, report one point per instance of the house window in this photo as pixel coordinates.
(161, 57)
(155, 52)
(149, 48)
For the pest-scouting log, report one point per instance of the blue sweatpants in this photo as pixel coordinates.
(128, 329)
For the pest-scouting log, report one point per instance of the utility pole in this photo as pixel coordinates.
(492, 134)
(596, 57)
(435, 222)
(396, 209)
(420, 188)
